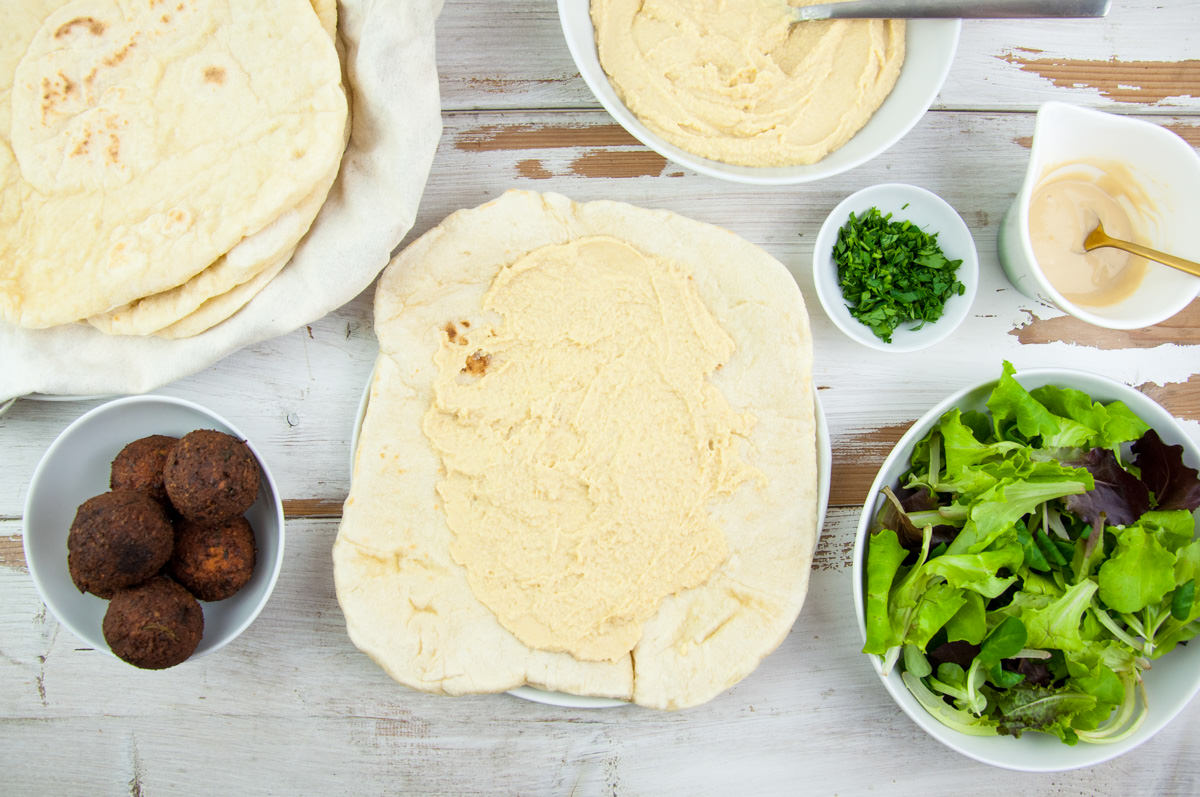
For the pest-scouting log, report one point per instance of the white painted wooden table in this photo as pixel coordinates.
(292, 707)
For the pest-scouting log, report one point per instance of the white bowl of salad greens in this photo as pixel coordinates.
(1025, 570)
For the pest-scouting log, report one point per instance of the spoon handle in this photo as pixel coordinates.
(953, 9)
(1148, 253)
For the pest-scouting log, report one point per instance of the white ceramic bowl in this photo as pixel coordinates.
(533, 694)
(1174, 679)
(933, 215)
(1069, 140)
(929, 48)
(76, 467)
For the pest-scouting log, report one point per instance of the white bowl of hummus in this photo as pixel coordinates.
(758, 102)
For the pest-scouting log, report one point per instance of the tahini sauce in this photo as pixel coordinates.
(1064, 208)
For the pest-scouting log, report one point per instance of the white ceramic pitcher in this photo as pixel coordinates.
(1167, 172)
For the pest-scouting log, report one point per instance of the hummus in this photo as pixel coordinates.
(735, 81)
(582, 443)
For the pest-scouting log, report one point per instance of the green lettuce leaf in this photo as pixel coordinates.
(1139, 573)
(884, 556)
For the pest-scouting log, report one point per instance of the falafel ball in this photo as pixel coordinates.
(211, 476)
(213, 561)
(153, 625)
(139, 466)
(117, 539)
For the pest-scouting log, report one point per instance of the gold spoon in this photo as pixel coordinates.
(1098, 238)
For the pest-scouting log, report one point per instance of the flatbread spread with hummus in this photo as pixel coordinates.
(735, 81)
(588, 460)
(156, 159)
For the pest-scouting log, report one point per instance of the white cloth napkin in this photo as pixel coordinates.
(396, 124)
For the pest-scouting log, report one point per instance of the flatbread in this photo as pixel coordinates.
(225, 286)
(408, 603)
(268, 249)
(217, 308)
(113, 188)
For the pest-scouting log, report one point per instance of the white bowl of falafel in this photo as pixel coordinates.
(153, 530)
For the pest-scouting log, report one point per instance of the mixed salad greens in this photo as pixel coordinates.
(1032, 563)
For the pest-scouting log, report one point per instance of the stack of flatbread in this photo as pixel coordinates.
(588, 458)
(160, 161)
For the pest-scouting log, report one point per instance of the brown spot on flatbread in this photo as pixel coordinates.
(93, 25)
(477, 363)
(493, 138)
(114, 150)
(1182, 329)
(465, 323)
(54, 92)
(82, 147)
(1123, 81)
(451, 331)
(214, 74)
(1181, 399)
(619, 163)
(533, 170)
(119, 56)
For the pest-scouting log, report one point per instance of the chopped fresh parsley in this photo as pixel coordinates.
(892, 272)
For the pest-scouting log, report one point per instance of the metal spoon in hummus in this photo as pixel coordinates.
(952, 9)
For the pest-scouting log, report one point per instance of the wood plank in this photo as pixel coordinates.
(292, 707)
(297, 395)
(1141, 57)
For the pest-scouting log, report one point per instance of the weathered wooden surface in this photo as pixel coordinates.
(292, 707)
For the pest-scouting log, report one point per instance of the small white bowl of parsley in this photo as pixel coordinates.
(895, 267)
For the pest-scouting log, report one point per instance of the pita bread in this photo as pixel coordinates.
(225, 286)
(216, 309)
(409, 604)
(110, 172)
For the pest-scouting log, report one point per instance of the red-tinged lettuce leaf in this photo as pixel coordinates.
(960, 653)
(1036, 671)
(1119, 496)
(1031, 708)
(1174, 484)
(912, 500)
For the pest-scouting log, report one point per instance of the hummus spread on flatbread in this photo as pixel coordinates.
(735, 81)
(588, 458)
(580, 450)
